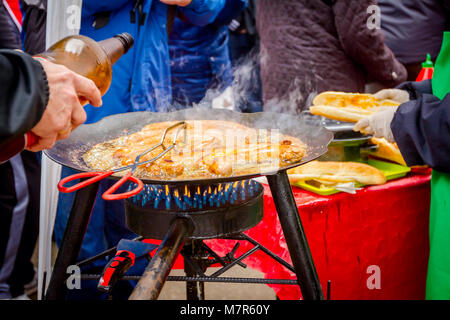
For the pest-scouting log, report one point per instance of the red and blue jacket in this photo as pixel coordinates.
(141, 78)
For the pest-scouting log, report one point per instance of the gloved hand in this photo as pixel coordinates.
(378, 124)
(400, 96)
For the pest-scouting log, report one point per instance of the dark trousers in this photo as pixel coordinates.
(19, 222)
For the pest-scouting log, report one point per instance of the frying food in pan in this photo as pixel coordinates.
(206, 149)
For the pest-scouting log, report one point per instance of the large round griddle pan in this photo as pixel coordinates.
(69, 152)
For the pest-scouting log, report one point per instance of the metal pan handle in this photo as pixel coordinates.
(110, 195)
(95, 176)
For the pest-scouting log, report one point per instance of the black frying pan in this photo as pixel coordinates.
(69, 152)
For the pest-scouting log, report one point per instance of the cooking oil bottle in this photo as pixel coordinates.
(89, 58)
(81, 54)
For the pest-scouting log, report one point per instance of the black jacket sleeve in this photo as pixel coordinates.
(421, 129)
(24, 94)
(416, 89)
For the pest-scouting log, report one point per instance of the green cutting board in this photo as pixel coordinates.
(390, 170)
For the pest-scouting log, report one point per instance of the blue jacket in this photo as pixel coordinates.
(199, 55)
(141, 78)
(414, 28)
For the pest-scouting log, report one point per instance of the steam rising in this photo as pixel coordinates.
(298, 96)
(282, 113)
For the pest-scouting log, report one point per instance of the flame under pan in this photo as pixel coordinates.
(210, 223)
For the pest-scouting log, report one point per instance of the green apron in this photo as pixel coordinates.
(438, 278)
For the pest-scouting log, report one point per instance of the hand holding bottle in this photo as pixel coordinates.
(64, 112)
(79, 71)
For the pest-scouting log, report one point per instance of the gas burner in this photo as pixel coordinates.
(212, 210)
(179, 215)
(195, 197)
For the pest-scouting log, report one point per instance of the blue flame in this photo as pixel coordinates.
(185, 198)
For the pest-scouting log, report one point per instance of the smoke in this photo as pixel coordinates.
(285, 113)
(247, 87)
(300, 91)
(290, 104)
(297, 99)
(245, 94)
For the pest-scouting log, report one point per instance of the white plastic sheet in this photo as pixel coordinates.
(63, 19)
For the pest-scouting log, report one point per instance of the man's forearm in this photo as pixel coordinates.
(24, 94)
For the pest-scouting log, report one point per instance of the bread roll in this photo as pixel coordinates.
(348, 107)
(337, 172)
(388, 151)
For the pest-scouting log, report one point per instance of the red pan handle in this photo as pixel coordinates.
(32, 139)
(115, 268)
(110, 195)
(96, 176)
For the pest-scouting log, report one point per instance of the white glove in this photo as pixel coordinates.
(400, 96)
(378, 124)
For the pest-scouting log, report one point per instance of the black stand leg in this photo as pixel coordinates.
(72, 240)
(295, 236)
(195, 290)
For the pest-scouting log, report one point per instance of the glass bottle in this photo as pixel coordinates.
(81, 54)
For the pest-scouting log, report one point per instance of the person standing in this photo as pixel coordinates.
(421, 129)
(19, 200)
(413, 29)
(40, 97)
(141, 82)
(309, 47)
